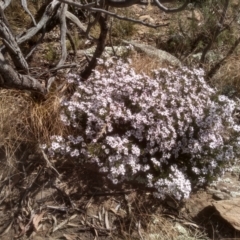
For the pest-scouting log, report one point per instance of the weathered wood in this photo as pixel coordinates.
(5, 4)
(48, 14)
(12, 79)
(25, 7)
(99, 49)
(11, 44)
(63, 31)
(56, 12)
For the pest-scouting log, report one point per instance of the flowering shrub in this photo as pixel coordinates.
(170, 133)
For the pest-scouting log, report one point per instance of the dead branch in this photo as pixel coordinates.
(100, 10)
(56, 12)
(12, 79)
(76, 21)
(5, 4)
(47, 16)
(99, 49)
(24, 5)
(170, 10)
(11, 44)
(63, 31)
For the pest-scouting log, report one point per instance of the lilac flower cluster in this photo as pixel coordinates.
(171, 132)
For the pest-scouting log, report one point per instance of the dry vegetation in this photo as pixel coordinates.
(27, 176)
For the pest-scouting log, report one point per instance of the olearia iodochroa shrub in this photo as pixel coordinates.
(170, 133)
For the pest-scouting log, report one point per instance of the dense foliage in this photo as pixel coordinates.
(171, 132)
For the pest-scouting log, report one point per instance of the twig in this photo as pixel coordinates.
(63, 209)
(63, 33)
(92, 9)
(108, 193)
(48, 162)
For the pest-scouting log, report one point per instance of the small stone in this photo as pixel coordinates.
(221, 196)
(147, 18)
(235, 194)
(181, 229)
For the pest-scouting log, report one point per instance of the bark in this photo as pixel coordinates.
(99, 49)
(48, 14)
(56, 12)
(12, 79)
(63, 29)
(11, 44)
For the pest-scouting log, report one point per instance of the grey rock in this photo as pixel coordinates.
(221, 196)
(108, 51)
(151, 51)
(181, 229)
(120, 51)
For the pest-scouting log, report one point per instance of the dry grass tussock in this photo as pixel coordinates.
(23, 120)
(44, 119)
(145, 64)
(227, 79)
(14, 107)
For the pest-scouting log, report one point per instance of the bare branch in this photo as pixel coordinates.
(170, 10)
(11, 79)
(100, 10)
(76, 21)
(99, 50)
(122, 3)
(24, 5)
(85, 6)
(5, 4)
(37, 43)
(11, 44)
(63, 29)
(71, 40)
(126, 18)
(48, 14)
(216, 67)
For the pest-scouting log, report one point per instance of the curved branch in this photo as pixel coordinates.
(24, 5)
(5, 4)
(122, 3)
(170, 10)
(76, 21)
(100, 10)
(11, 44)
(99, 49)
(12, 79)
(63, 30)
(49, 12)
(37, 43)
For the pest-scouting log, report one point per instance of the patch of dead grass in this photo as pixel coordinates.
(24, 123)
(23, 120)
(14, 107)
(44, 120)
(142, 63)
